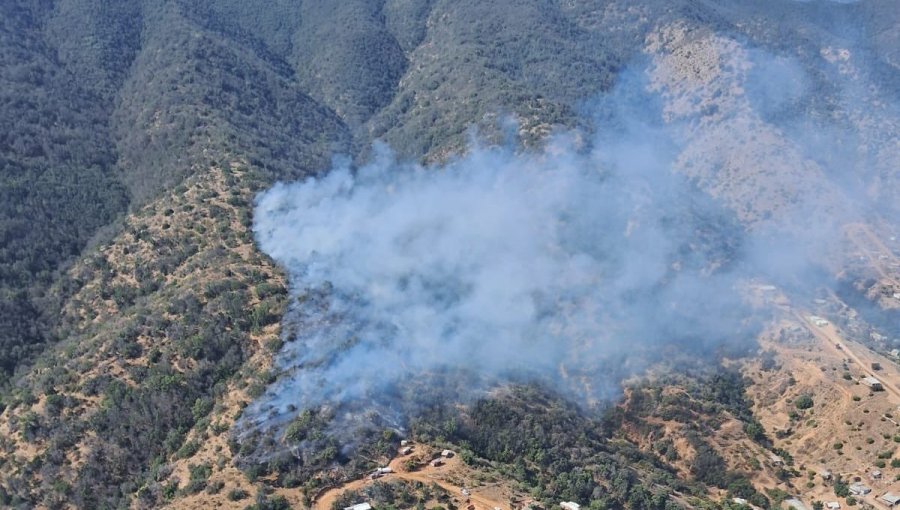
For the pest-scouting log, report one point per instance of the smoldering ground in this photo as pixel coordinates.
(574, 266)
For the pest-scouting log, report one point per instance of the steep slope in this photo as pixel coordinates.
(478, 63)
(96, 41)
(159, 323)
(57, 180)
(192, 95)
(345, 55)
(189, 101)
(100, 99)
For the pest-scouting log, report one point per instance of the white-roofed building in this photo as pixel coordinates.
(889, 499)
(859, 489)
(872, 383)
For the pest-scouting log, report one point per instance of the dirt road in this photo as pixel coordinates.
(859, 354)
(427, 474)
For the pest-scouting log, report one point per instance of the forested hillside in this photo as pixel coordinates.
(137, 316)
(92, 127)
(58, 182)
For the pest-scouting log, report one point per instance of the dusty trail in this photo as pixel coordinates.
(830, 336)
(839, 348)
(326, 500)
(426, 474)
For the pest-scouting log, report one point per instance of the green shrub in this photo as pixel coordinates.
(237, 494)
(188, 449)
(803, 402)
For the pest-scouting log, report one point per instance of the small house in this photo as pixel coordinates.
(826, 475)
(359, 506)
(776, 459)
(569, 505)
(406, 450)
(447, 454)
(895, 353)
(833, 505)
(873, 383)
(404, 442)
(876, 475)
(859, 489)
(739, 501)
(437, 463)
(890, 499)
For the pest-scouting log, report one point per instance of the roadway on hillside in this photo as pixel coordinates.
(860, 355)
(863, 357)
(427, 474)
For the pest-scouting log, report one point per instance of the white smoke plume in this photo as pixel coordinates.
(574, 266)
(566, 265)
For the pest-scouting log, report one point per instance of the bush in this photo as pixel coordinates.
(237, 494)
(199, 474)
(188, 449)
(803, 402)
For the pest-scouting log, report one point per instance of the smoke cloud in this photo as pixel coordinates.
(498, 263)
(574, 266)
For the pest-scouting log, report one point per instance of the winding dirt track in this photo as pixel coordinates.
(427, 475)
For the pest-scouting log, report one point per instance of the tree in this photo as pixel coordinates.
(803, 402)
(841, 489)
